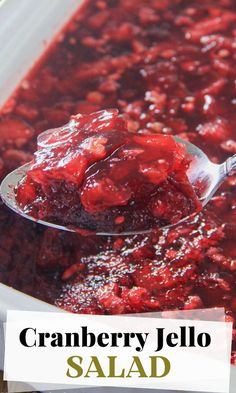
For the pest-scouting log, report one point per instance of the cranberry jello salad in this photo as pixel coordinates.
(94, 174)
(169, 68)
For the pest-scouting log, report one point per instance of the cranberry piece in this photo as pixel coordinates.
(14, 132)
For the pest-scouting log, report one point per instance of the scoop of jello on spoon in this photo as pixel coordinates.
(94, 175)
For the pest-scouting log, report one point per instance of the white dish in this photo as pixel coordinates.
(43, 19)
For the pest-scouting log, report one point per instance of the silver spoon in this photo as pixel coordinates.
(201, 172)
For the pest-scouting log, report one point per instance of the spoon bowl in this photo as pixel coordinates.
(205, 177)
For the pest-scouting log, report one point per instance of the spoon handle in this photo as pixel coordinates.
(230, 165)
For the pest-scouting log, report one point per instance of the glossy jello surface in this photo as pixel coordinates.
(93, 174)
(169, 67)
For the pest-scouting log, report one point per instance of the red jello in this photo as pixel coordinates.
(94, 174)
(169, 67)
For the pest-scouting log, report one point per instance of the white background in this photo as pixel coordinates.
(192, 369)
